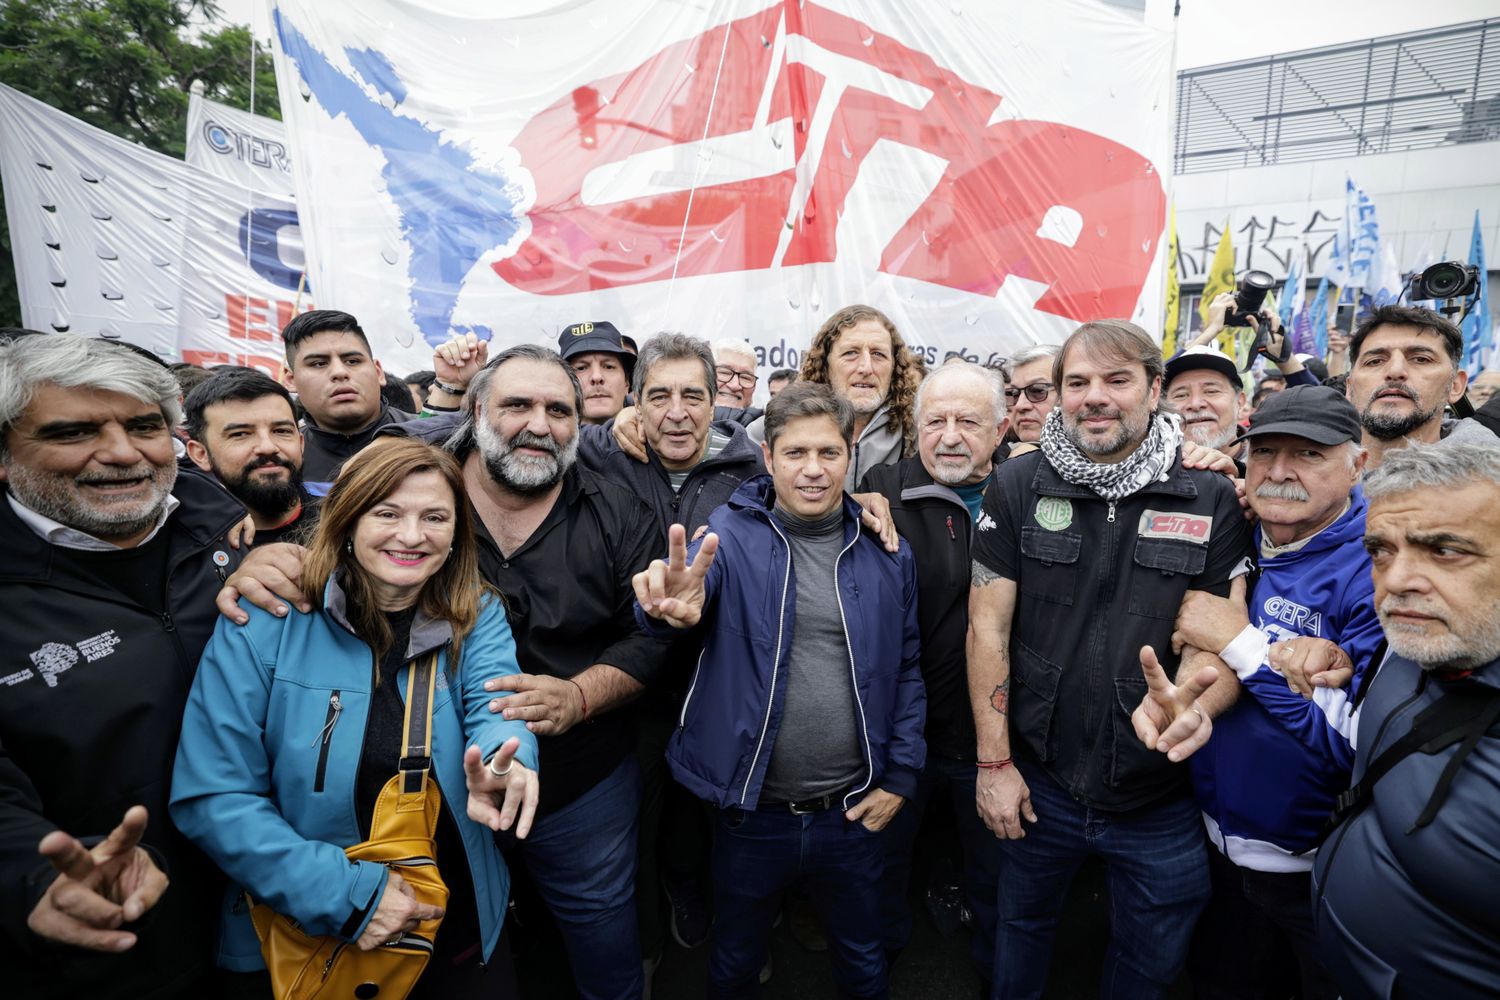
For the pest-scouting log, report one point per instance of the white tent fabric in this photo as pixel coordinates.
(114, 240)
(988, 174)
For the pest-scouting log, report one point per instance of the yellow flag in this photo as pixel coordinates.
(1220, 279)
(1174, 293)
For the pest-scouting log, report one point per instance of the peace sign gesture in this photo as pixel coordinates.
(1169, 718)
(673, 590)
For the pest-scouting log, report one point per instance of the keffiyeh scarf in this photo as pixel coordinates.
(1150, 462)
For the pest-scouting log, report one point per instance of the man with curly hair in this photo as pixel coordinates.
(860, 354)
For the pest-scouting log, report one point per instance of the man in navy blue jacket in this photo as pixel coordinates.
(1268, 779)
(803, 723)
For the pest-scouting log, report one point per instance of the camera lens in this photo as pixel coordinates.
(1252, 291)
(1444, 280)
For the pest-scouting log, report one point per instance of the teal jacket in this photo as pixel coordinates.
(271, 742)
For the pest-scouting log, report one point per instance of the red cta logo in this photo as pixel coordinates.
(616, 164)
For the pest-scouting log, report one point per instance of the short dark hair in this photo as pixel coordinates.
(1422, 319)
(1117, 338)
(316, 321)
(230, 385)
(673, 347)
(189, 376)
(808, 399)
(396, 394)
(783, 375)
(422, 380)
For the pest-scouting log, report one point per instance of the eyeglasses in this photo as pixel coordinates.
(1036, 392)
(727, 375)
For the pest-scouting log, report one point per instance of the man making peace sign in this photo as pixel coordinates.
(803, 724)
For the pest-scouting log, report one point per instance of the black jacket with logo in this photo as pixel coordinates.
(935, 521)
(92, 688)
(1097, 580)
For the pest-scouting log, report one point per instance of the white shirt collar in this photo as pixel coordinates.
(59, 534)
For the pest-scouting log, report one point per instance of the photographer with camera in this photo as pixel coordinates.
(1244, 308)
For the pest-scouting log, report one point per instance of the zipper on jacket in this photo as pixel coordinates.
(765, 725)
(335, 709)
(853, 675)
(166, 623)
(951, 535)
(1112, 512)
(697, 669)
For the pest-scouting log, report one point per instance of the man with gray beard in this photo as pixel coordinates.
(562, 545)
(1405, 886)
(1204, 388)
(107, 563)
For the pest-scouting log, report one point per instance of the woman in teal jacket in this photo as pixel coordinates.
(295, 724)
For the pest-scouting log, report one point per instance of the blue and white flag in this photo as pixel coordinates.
(1319, 319)
(1294, 291)
(1479, 328)
(1356, 245)
(1387, 285)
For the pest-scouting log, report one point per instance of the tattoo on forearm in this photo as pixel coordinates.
(981, 575)
(1000, 697)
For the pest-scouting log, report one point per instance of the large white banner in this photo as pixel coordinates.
(989, 174)
(114, 240)
(246, 150)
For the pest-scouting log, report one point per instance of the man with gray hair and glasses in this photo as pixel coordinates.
(107, 569)
(1405, 886)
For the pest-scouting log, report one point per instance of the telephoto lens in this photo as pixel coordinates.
(1249, 297)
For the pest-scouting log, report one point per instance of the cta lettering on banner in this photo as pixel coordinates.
(1086, 224)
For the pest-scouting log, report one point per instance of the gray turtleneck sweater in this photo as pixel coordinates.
(817, 749)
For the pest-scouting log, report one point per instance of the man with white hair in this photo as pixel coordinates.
(1279, 758)
(934, 499)
(734, 371)
(106, 576)
(1204, 387)
(1405, 886)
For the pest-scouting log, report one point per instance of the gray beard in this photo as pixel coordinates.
(523, 476)
(46, 494)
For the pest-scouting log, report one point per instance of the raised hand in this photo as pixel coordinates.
(1169, 718)
(673, 591)
(98, 889)
(503, 792)
(460, 359)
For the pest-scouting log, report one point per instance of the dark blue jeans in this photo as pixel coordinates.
(583, 859)
(759, 853)
(1158, 885)
(953, 779)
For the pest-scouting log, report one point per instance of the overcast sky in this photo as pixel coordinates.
(1215, 31)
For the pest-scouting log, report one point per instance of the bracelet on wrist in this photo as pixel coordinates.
(452, 390)
(583, 697)
(994, 765)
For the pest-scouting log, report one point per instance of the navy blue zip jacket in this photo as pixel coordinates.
(729, 722)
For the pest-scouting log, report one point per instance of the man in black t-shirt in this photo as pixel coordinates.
(1083, 553)
(242, 430)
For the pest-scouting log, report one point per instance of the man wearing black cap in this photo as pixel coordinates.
(604, 365)
(1278, 760)
(1204, 387)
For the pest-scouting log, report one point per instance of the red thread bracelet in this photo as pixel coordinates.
(583, 696)
(994, 765)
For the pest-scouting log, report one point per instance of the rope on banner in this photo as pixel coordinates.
(698, 173)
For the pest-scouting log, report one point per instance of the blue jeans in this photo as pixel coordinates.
(954, 779)
(1157, 872)
(759, 853)
(582, 858)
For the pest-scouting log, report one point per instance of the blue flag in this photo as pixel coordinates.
(1320, 319)
(1479, 328)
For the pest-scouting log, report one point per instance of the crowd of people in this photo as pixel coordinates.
(592, 618)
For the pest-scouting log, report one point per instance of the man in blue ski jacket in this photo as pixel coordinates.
(803, 722)
(1268, 779)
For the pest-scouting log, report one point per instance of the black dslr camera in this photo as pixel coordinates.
(1451, 279)
(1248, 299)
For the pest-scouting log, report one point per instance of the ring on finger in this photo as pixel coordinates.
(1201, 717)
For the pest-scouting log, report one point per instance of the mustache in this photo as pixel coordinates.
(1099, 411)
(1393, 603)
(143, 471)
(526, 439)
(270, 462)
(1282, 491)
(1395, 387)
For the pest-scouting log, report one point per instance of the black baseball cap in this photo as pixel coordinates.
(1204, 357)
(584, 338)
(1315, 412)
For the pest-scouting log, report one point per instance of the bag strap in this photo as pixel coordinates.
(416, 735)
(1461, 715)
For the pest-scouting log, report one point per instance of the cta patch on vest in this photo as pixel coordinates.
(1171, 524)
(1054, 513)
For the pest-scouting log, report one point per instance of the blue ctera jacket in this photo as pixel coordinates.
(271, 743)
(729, 721)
